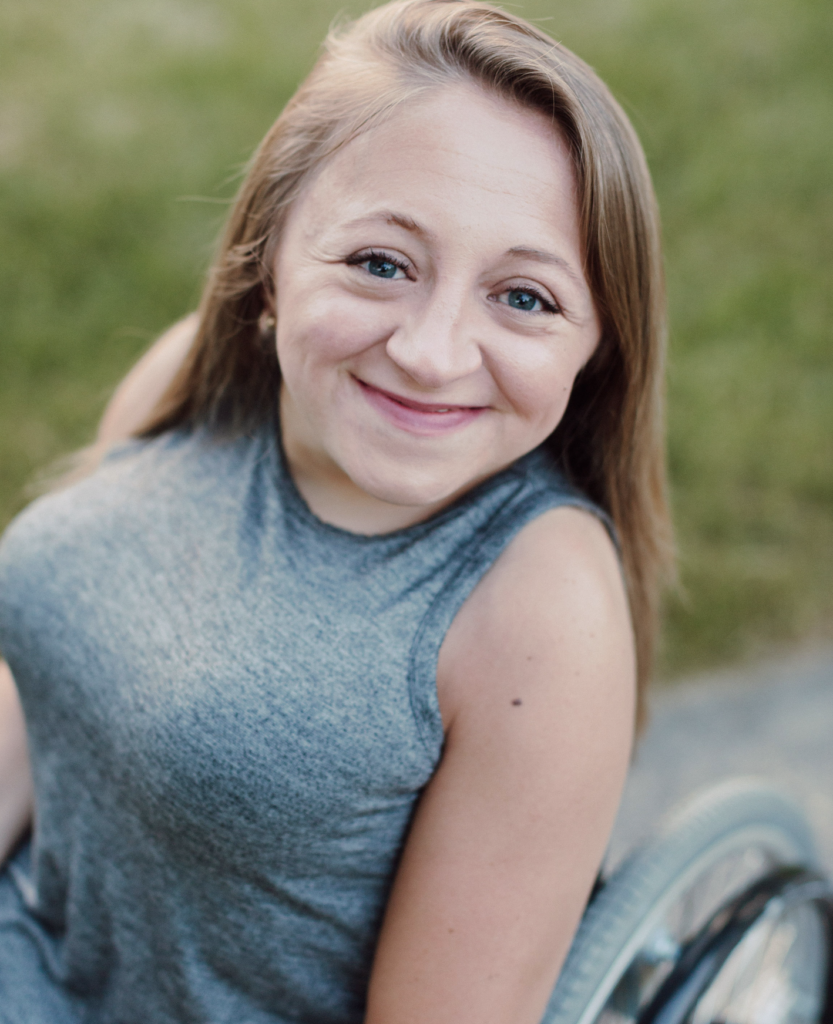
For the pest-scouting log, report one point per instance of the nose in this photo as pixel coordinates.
(438, 345)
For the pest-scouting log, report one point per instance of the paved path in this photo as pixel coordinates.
(773, 721)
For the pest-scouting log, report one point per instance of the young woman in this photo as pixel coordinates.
(330, 668)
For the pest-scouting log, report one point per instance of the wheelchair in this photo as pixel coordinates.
(722, 918)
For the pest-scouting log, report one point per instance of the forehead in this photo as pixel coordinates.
(456, 152)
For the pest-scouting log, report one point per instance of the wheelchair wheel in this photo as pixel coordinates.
(764, 957)
(667, 895)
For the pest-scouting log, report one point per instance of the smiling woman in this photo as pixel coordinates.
(334, 655)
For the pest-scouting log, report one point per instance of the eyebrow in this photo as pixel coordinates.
(539, 255)
(402, 220)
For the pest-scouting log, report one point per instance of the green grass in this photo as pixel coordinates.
(116, 114)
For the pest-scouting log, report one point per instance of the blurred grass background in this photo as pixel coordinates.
(123, 128)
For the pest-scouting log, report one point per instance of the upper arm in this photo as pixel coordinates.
(15, 774)
(136, 396)
(536, 680)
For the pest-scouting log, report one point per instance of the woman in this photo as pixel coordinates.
(329, 668)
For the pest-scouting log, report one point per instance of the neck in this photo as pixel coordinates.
(336, 500)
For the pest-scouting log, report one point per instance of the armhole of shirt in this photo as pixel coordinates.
(486, 546)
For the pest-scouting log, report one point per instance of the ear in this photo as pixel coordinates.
(267, 319)
(266, 322)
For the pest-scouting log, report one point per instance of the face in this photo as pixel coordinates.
(432, 313)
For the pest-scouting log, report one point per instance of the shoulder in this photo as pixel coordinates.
(135, 397)
(546, 630)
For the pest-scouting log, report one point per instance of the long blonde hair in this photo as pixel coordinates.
(610, 440)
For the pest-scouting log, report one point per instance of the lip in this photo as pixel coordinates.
(425, 418)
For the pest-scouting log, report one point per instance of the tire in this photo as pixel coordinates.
(715, 846)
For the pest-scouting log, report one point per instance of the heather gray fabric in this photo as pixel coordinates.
(232, 710)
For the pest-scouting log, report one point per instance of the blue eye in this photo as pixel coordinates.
(527, 301)
(517, 298)
(379, 264)
(381, 267)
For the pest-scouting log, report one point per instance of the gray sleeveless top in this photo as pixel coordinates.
(232, 710)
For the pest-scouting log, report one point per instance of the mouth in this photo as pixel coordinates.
(419, 417)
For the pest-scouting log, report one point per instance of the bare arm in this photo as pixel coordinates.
(134, 399)
(536, 685)
(15, 776)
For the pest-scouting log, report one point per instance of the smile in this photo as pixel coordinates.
(425, 418)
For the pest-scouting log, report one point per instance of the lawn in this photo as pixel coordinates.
(123, 128)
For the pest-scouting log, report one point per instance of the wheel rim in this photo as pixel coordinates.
(777, 975)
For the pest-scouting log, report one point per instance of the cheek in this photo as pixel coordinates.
(539, 384)
(320, 330)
